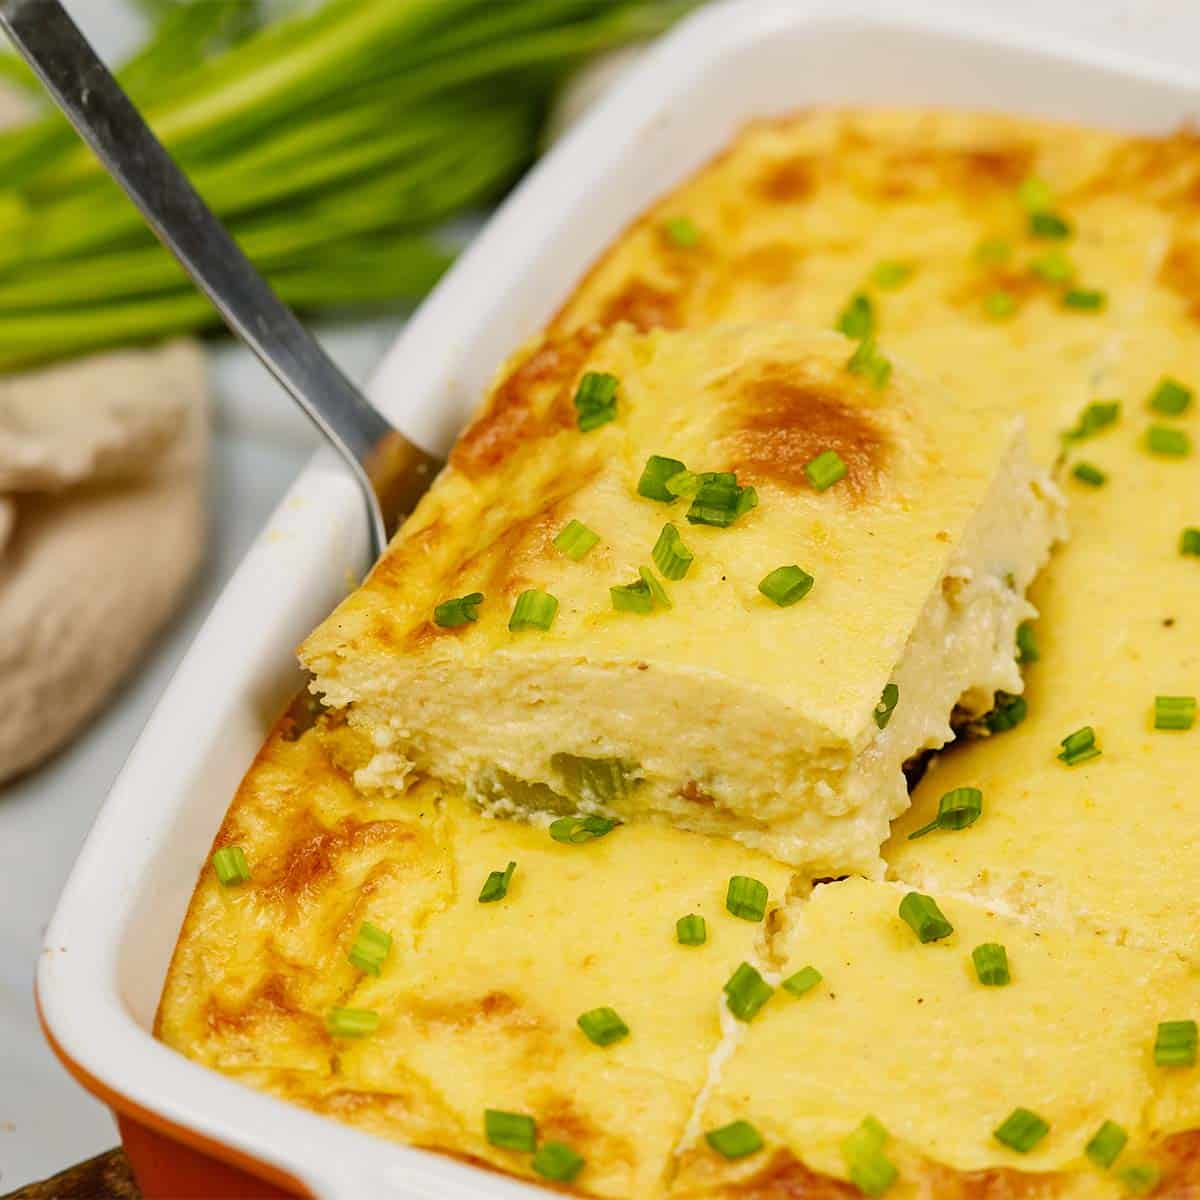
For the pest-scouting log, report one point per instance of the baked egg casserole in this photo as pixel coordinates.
(622, 894)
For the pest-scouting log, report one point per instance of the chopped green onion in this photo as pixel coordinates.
(1098, 415)
(1084, 299)
(508, 1130)
(351, 1022)
(602, 1026)
(746, 898)
(922, 915)
(1027, 647)
(1141, 1178)
(720, 502)
(658, 593)
(991, 964)
(1086, 473)
(1079, 746)
(802, 981)
(746, 991)
(596, 400)
(1048, 225)
(575, 540)
(687, 483)
(632, 597)
(868, 362)
(1189, 542)
(682, 232)
(1009, 712)
(1053, 267)
(574, 831)
(670, 555)
(825, 470)
(230, 865)
(870, 1170)
(495, 886)
(595, 780)
(557, 1161)
(450, 614)
(1021, 1130)
(656, 472)
(534, 609)
(371, 947)
(999, 304)
(993, 251)
(1174, 712)
(1175, 1044)
(887, 705)
(735, 1140)
(1173, 443)
(857, 319)
(1170, 397)
(1106, 1144)
(891, 274)
(1034, 194)
(691, 930)
(956, 810)
(786, 586)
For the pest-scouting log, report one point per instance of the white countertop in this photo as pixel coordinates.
(46, 1121)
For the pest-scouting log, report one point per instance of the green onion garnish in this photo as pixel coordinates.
(575, 539)
(691, 930)
(891, 274)
(596, 400)
(1189, 542)
(786, 586)
(825, 470)
(1079, 746)
(682, 232)
(868, 362)
(557, 1161)
(574, 831)
(670, 555)
(632, 597)
(687, 483)
(746, 991)
(1141, 1178)
(1174, 712)
(746, 898)
(1098, 415)
(1175, 1044)
(508, 1130)
(1009, 712)
(999, 304)
(802, 981)
(857, 319)
(1085, 472)
(656, 472)
(1170, 397)
(534, 609)
(991, 964)
(1053, 267)
(1084, 299)
(993, 251)
(658, 593)
(1048, 225)
(1021, 1130)
(495, 886)
(1034, 195)
(887, 705)
(602, 1026)
(371, 947)
(922, 915)
(450, 614)
(720, 502)
(351, 1022)
(1106, 1144)
(956, 810)
(230, 865)
(735, 1140)
(1027, 647)
(1163, 439)
(869, 1168)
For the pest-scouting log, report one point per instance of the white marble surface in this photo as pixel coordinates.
(46, 1121)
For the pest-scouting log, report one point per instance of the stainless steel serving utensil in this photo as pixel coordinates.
(390, 470)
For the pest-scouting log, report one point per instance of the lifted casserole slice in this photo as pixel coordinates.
(658, 663)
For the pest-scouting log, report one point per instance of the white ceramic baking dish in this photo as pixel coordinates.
(108, 946)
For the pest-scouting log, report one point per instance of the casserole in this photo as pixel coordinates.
(108, 946)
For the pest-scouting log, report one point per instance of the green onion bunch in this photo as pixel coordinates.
(332, 141)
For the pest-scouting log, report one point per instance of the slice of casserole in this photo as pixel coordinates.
(733, 579)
